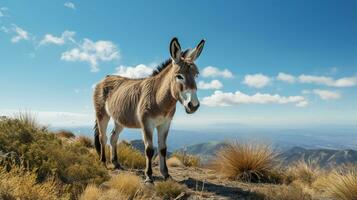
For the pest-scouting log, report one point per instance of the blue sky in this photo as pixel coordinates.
(265, 63)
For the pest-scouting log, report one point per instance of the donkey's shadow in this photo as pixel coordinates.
(221, 190)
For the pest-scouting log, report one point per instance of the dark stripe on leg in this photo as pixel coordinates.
(149, 154)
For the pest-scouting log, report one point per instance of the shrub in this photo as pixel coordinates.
(85, 141)
(306, 172)
(65, 134)
(187, 159)
(130, 157)
(339, 185)
(168, 189)
(247, 162)
(20, 184)
(39, 149)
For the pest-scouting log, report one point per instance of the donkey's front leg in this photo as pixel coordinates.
(149, 150)
(162, 131)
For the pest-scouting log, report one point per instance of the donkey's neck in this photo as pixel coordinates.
(163, 96)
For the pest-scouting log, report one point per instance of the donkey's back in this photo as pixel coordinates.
(120, 93)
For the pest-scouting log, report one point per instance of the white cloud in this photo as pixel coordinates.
(21, 34)
(214, 84)
(2, 11)
(286, 77)
(50, 39)
(256, 80)
(302, 104)
(326, 94)
(54, 118)
(211, 71)
(329, 81)
(220, 98)
(139, 71)
(70, 5)
(92, 52)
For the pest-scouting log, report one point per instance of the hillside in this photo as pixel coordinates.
(36, 163)
(322, 157)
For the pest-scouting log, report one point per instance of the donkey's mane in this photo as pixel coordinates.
(161, 67)
(166, 63)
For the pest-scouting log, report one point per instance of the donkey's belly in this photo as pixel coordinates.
(125, 118)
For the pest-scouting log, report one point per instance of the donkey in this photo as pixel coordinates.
(147, 103)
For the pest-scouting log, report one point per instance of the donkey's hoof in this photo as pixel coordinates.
(149, 181)
(118, 166)
(168, 178)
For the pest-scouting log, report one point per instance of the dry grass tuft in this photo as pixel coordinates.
(306, 172)
(339, 185)
(91, 192)
(126, 184)
(21, 184)
(65, 134)
(174, 162)
(168, 189)
(85, 141)
(253, 162)
(123, 186)
(187, 159)
(130, 157)
(27, 118)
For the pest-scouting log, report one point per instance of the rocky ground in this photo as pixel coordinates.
(206, 184)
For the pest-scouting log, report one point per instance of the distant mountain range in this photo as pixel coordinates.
(323, 157)
(284, 139)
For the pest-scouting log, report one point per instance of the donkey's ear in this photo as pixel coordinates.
(196, 52)
(175, 49)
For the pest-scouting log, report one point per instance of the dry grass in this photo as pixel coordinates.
(126, 184)
(92, 192)
(253, 162)
(339, 185)
(306, 172)
(21, 184)
(283, 192)
(123, 186)
(65, 134)
(129, 157)
(27, 118)
(85, 141)
(168, 189)
(187, 159)
(174, 162)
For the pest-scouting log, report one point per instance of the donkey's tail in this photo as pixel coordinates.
(96, 137)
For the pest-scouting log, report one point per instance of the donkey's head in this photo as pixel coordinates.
(184, 86)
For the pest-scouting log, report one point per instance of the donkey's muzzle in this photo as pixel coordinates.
(191, 108)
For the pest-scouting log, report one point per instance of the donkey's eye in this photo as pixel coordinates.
(179, 77)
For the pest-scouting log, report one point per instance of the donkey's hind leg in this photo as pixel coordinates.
(102, 125)
(113, 142)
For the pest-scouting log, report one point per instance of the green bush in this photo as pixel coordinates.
(39, 150)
